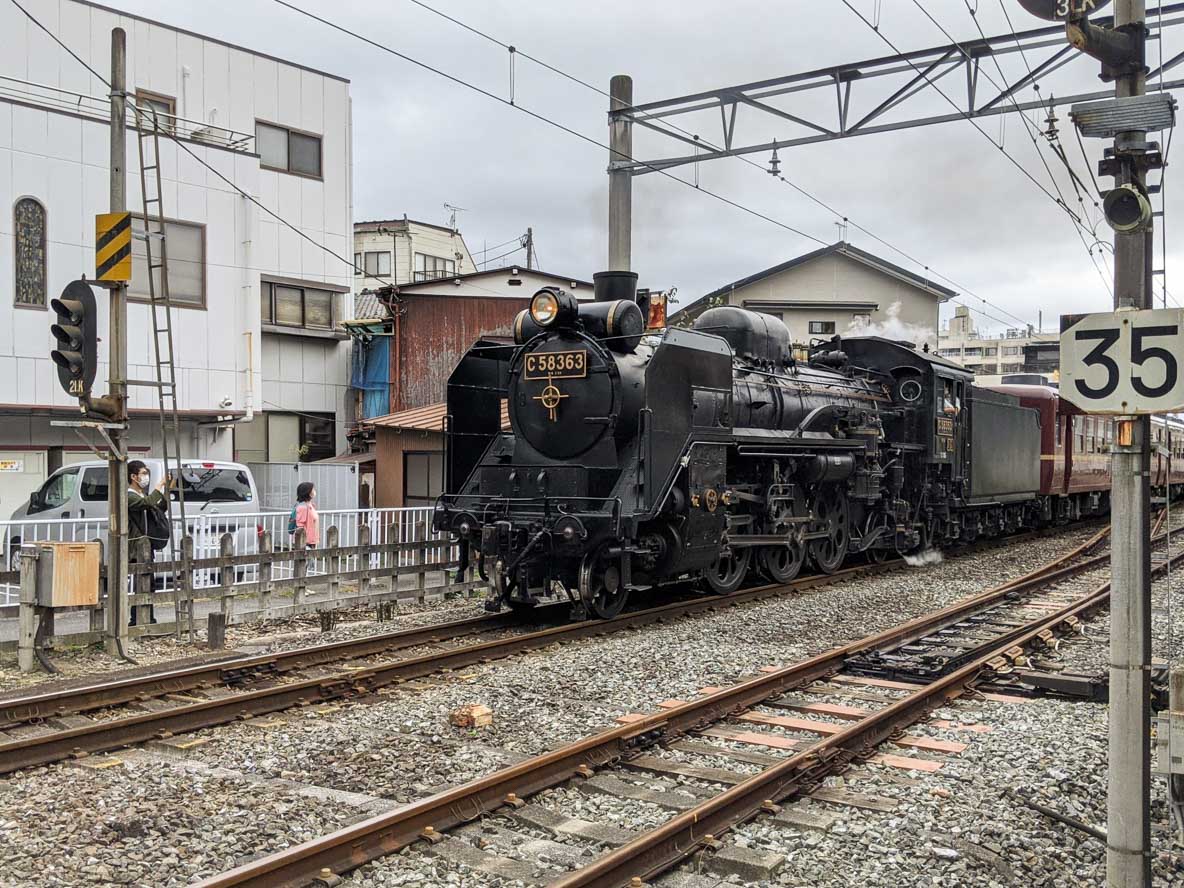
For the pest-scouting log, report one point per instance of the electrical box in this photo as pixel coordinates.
(68, 574)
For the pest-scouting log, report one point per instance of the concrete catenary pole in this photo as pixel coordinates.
(117, 610)
(620, 181)
(1128, 862)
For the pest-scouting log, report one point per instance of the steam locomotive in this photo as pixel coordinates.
(639, 454)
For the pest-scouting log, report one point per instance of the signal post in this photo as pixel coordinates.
(1124, 363)
(117, 553)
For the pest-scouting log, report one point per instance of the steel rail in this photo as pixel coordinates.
(116, 733)
(386, 833)
(238, 671)
(235, 670)
(655, 851)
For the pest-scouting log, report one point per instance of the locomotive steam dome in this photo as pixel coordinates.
(562, 396)
(754, 337)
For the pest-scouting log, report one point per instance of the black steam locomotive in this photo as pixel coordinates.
(636, 457)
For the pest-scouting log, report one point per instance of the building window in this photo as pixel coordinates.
(378, 263)
(423, 477)
(357, 263)
(860, 321)
(823, 327)
(972, 352)
(990, 351)
(28, 216)
(186, 244)
(1011, 349)
(288, 150)
(165, 108)
(286, 305)
(430, 268)
(317, 436)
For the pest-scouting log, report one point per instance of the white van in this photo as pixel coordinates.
(72, 504)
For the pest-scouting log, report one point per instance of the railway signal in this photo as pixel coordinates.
(75, 332)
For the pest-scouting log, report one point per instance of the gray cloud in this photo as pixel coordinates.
(942, 194)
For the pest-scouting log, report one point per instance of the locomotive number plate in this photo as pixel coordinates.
(557, 365)
(945, 426)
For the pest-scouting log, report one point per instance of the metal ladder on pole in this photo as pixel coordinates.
(156, 255)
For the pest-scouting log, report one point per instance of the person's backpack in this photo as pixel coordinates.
(158, 528)
(292, 520)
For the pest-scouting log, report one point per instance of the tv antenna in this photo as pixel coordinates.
(453, 210)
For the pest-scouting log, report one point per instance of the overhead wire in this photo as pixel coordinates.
(542, 118)
(504, 255)
(518, 51)
(1078, 225)
(167, 132)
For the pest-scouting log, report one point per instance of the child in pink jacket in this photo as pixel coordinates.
(306, 513)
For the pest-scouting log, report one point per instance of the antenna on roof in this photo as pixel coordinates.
(454, 211)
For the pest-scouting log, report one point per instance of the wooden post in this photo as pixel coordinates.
(28, 609)
(185, 586)
(216, 631)
(392, 536)
(143, 583)
(265, 564)
(97, 615)
(364, 560)
(421, 561)
(333, 562)
(226, 575)
(299, 566)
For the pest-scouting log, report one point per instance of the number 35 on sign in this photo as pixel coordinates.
(1125, 362)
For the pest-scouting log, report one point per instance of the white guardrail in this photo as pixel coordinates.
(386, 526)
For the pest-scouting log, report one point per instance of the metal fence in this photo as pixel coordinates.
(337, 484)
(406, 525)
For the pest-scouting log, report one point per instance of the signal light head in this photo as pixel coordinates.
(67, 336)
(1126, 208)
(69, 308)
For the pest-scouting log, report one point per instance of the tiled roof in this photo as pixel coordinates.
(368, 308)
(427, 419)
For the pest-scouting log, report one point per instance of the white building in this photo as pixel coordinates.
(262, 302)
(838, 289)
(403, 251)
(1019, 350)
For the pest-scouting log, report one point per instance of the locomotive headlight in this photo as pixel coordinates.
(544, 308)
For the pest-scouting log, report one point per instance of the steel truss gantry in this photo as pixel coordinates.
(918, 68)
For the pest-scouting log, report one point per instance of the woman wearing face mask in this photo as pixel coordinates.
(306, 513)
(139, 505)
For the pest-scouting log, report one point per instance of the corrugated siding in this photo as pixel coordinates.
(434, 333)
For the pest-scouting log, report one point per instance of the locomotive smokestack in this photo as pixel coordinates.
(613, 285)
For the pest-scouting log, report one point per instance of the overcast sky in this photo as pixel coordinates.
(944, 195)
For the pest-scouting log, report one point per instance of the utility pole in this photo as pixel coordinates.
(620, 181)
(529, 247)
(117, 609)
(1128, 812)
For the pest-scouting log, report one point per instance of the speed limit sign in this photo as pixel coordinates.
(1125, 362)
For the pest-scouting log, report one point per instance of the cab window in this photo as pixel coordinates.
(55, 492)
(94, 485)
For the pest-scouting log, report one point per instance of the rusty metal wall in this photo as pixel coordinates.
(433, 333)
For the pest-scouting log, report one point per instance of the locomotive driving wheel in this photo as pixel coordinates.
(832, 515)
(728, 572)
(600, 584)
(781, 564)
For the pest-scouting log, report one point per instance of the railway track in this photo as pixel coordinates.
(826, 738)
(267, 683)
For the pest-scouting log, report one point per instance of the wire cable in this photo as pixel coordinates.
(1078, 225)
(708, 144)
(540, 117)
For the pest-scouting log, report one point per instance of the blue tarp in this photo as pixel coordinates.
(371, 374)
